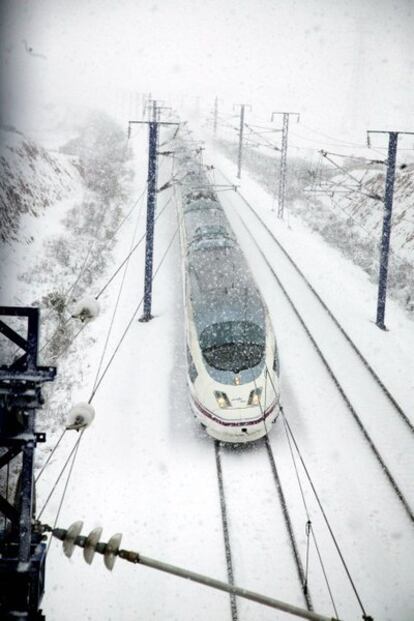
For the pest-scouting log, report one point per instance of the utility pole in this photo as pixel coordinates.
(22, 551)
(283, 160)
(386, 225)
(151, 204)
(241, 130)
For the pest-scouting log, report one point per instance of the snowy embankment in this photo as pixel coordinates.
(31, 181)
(337, 206)
(60, 243)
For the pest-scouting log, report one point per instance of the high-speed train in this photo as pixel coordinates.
(231, 349)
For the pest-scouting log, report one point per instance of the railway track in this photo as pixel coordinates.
(270, 478)
(389, 435)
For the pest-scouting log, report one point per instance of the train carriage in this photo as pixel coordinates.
(231, 349)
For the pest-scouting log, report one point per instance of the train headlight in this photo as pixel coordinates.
(254, 397)
(222, 399)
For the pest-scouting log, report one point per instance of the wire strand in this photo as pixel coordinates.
(60, 475)
(323, 513)
(117, 300)
(66, 486)
(98, 383)
(141, 239)
(50, 456)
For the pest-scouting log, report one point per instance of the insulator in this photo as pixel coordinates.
(91, 542)
(86, 310)
(80, 416)
(71, 534)
(111, 551)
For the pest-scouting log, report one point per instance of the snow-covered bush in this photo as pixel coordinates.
(101, 153)
(350, 223)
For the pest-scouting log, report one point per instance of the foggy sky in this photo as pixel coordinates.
(345, 65)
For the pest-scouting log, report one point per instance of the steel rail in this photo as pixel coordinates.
(226, 533)
(344, 396)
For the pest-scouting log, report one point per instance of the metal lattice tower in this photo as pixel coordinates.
(283, 167)
(22, 552)
(283, 161)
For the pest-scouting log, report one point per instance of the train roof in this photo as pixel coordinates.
(222, 288)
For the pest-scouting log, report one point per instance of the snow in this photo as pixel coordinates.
(147, 470)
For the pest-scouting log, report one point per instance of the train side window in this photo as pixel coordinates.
(276, 364)
(192, 371)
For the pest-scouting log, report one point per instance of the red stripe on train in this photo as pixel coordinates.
(233, 423)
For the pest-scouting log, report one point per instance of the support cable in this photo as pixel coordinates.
(344, 564)
(309, 526)
(269, 142)
(98, 383)
(289, 527)
(121, 286)
(141, 239)
(348, 174)
(74, 448)
(50, 456)
(66, 485)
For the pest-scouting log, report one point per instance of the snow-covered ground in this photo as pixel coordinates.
(146, 469)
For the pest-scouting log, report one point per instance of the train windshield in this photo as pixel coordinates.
(233, 345)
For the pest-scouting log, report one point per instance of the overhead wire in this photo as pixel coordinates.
(304, 575)
(268, 142)
(327, 522)
(121, 286)
(334, 204)
(309, 525)
(141, 239)
(59, 476)
(65, 489)
(99, 381)
(50, 456)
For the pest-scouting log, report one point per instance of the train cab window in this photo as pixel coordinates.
(233, 345)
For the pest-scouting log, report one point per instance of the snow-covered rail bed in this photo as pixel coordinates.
(256, 539)
(349, 477)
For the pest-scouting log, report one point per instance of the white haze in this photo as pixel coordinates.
(346, 66)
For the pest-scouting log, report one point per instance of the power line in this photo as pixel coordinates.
(117, 300)
(118, 269)
(99, 381)
(365, 616)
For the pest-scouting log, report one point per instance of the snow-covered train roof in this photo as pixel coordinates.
(221, 286)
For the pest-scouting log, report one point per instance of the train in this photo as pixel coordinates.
(232, 354)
